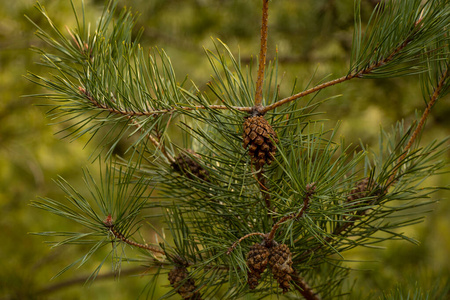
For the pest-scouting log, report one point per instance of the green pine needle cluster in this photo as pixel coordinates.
(105, 84)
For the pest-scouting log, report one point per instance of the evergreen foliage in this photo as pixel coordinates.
(314, 199)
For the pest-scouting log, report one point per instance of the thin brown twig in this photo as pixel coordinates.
(243, 238)
(310, 189)
(319, 87)
(261, 180)
(166, 111)
(262, 54)
(419, 127)
(307, 92)
(121, 237)
(110, 225)
(155, 141)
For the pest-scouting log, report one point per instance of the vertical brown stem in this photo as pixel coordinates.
(262, 54)
(263, 186)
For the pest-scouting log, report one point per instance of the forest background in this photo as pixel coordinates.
(310, 37)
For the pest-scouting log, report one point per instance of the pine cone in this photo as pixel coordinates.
(257, 259)
(281, 264)
(363, 190)
(177, 277)
(261, 140)
(188, 166)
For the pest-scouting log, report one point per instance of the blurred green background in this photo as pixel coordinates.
(311, 37)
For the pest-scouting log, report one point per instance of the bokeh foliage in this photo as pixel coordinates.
(311, 37)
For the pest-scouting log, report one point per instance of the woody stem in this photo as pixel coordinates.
(262, 54)
(243, 238)
(121, 237)
(310, 190)
(302, 286)
(263, 186)
(419, 127)
(359, 74)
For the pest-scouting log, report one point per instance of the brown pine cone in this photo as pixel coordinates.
(188, 166)
(261, 139)
(281, 265)
(177, 277)
(257, 260)
(362, 190)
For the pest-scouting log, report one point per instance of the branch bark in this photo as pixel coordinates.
(262, 54)
(433, 99)
(118, 235)
(358, 74)
(310, 189)
(302, 286)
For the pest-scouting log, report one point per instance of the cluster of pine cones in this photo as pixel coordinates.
(279, 259)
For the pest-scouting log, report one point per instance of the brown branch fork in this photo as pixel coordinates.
(310, 190)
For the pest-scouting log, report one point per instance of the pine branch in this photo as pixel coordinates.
(302, 286)
(110, 225)
(156, 141)
(163, 111)
(433, 98)
(310, 189)
(262, 184)
(262, 54)
(359, 74)
(243, 238)
(216, 199)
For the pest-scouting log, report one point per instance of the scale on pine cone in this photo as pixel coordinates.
(260, 138)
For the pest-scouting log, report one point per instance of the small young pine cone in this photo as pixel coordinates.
(261, 139)
(184, 287)
(362, 190)
(281, 265)
(257, 260)
(188, 166)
